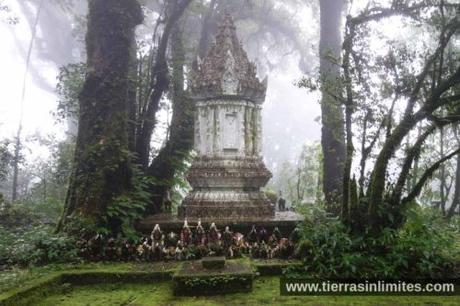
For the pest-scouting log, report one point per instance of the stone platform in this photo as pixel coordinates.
(194, 279)
(285, 221)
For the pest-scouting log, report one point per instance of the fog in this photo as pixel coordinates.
(281, 37)
(290, 114)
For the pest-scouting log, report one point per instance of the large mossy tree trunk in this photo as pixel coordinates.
(332, 131)
(171, 157)
(102, 167)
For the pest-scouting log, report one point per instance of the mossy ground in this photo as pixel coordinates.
(265, 291)
(21, 278)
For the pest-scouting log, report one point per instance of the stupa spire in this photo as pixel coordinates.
(226, 69)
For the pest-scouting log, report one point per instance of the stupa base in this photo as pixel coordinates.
(286, 221)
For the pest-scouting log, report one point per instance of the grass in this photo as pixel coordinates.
(22, 278)
(266, 291)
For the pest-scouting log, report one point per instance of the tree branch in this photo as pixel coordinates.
(428, 173)
(411, 155)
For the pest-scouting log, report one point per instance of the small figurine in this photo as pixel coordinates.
(214, 234)
(186, 234)
(158, 251)
(276, 234)
(274, 251)
(140, 251)
(200, 236)
(227, 237)
(263, 235)
(227, 241)
(179, 252)
(252, 235)
(254, 250)
(157, 234)
(96, 247)
(238, 239)
(294, 237)
(147, 249)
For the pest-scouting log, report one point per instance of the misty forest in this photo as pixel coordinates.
(152, 151)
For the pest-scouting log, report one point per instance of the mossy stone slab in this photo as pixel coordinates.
(194, 280)
(213, 262)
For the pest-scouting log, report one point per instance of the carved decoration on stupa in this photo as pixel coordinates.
(226, 69)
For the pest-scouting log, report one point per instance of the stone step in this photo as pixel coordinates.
(213, 262)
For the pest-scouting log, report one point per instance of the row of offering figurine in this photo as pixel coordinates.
(194, 245)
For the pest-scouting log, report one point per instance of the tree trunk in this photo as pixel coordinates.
(171, 157)
(362, 163)
(347, 192)
(15, 163)
(378, 176)
(159, 84)
(442, 185)
(415, 171)
(102, 168)
(332, 131)
(456, 197)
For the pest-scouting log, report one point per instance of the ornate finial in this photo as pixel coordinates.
(226, 69)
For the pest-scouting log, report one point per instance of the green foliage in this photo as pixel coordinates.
(421, 248)
(271, 195)
(6, 157)
(299, 180)
(180, 185)
(212, 281)
(45, 197)
(127, 208)
(83, 228)
(17, 216)
(25, 240)
(36, 246)
(70, 82)
(47, 210)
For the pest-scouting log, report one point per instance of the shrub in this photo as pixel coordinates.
(17, 216)
(271, 195)
(36, 246)
(422, 248)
